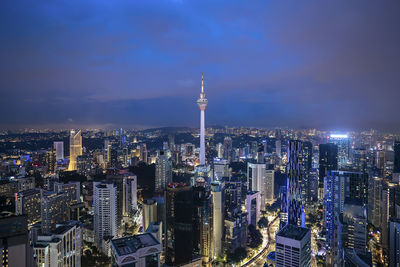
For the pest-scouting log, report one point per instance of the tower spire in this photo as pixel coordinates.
(202, 83)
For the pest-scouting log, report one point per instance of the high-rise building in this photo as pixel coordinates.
(149, 213)
(294, 174)
(28, 203)
(137, 250)
(59, 147)
(253, 203)
(220, 150)
(221, 168)
(342, 142)
(306, 182)
(394, 242)
(256, 180)
(163, 171)
(51, 161)
(71, 189)
(202, 103)
(75, 149)
(293, 247)
(54, 209)
(217, 190)
(269, 185)
(105, 211)
(60, 248)
(228, 148)
(178, 224)
(202, 220)
(328, 161)
(15, 249)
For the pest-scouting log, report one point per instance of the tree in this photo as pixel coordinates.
(237, 255)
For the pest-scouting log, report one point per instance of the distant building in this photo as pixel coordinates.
(328, 161)
(217, 190)
(293, 247)
(163, 174)
(228, 148)
(59, 147)
(342, 142)
(269, 185)
(54, 209)
(256, 180)
(149, 213)
(137, 250)
(221, 168)
(75, 149)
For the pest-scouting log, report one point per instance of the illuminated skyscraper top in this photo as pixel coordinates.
(75, 149)
(202, 103)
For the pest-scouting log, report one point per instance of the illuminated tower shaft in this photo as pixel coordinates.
(202, 103)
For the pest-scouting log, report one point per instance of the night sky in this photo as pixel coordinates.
(325, 64)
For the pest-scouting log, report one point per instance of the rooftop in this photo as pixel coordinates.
(293, 232)
(130, 244)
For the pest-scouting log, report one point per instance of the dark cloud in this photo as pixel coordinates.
(327, 64)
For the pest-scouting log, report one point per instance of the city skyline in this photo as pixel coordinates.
(267, 64)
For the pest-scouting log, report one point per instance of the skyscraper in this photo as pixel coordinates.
(256, 179)
(59, 147)
(228, 148)
(342, 141)
(202, 103)
(328, 161)
(269, 185)
(105, 211)
(75, 149)
(28, 202)
(394, 242)
(54, 209)
(218, 217)
(179, 224)
(294, 174)
(163, 171)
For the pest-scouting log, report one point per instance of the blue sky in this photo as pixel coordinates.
(324, 64)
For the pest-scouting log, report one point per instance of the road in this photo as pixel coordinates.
(260, 258)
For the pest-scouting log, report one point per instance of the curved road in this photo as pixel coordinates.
(252, 260)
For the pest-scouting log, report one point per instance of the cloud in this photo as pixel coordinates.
(271, 63)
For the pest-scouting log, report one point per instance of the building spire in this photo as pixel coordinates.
(202, 83)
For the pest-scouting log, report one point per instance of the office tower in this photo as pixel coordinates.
(71, 189)
(394, 242)
(54, 209)
(163, 171)
(60, 248)
(293, 247)
(220, 150)
(14, 242)
(217, 190)
(137, 250)
(178, 224)
(353, 223)
(51, 162)
(221, 168)
(143, 153)
(59, 147)
(28, 203)
(202, 220)
(307, 157)
(202, 103)
(385, 214)
(278, 148)
(374, 201)
(83, 165)
(228, 148)
(293, 201)
(328, 161)
(105, 211)
(75, 148)
(256, 180)
(283, 214)
(396, 163)
(360, 159)
(126, 193)
(269, 185)
(342, 142)
(107, 151)
(253, 203)
(235, 231)
(232, 196)
(149, 213)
